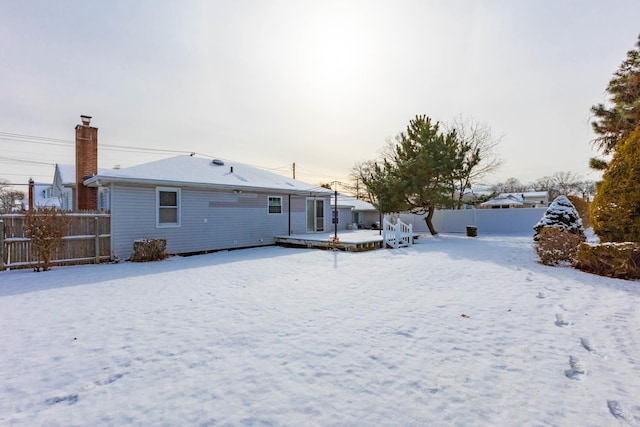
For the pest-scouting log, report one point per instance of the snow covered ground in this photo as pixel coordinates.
(454, 331)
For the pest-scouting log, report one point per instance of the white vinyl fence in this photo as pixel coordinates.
(497, 221)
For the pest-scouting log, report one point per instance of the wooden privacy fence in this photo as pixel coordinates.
(88, 240)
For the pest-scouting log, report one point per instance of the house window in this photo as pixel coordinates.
(275, 205)
(103, 200)
(168, 207)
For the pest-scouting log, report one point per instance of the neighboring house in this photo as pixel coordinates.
(532, 199)
(200, 205)
(64, 188)
(42, 197)
(354, 211)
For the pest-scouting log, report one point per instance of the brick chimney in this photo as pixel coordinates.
(86, 164)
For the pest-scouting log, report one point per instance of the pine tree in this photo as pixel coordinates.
(560, 214)
(418, 173)
(616, 122)
(615, 210)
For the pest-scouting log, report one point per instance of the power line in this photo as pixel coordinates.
(42, 140)
(34, 162)
(33, 139)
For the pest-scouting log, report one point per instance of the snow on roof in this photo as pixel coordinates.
(40, 196)
(515, 199)
(508, 200)
(526, 194)
(202, 172)
(68, 173)
(356, 204)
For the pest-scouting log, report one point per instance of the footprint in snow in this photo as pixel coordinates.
(577, 369)
(561, 321)
(70, 399)
(541, 295)
(617, 411)
(587, 345)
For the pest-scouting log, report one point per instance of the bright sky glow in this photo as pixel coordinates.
(322, 84)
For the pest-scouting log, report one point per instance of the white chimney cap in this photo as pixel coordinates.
(86, 120)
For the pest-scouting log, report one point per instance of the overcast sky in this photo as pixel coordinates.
(318, 83)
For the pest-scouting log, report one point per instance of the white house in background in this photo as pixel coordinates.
(531, 199)
(199, 205)
(64, 188)
(355, 211)
(42, 197)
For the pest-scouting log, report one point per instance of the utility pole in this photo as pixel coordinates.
(294, 170)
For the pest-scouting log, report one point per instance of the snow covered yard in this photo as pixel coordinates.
(454, 331)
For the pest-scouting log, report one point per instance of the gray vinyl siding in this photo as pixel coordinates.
(210, 220)
(298, 215)
(344, 218)
(369, 218)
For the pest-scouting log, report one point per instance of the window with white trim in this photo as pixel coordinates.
(275, 204)
(168, 207)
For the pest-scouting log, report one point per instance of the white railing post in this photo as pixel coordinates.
(410, 234)
(395, 235)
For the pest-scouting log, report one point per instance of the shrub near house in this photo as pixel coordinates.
(558, 233)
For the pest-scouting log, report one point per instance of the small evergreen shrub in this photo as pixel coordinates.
(556, 246)
(562, 214)
(149, 250)
(620, 260)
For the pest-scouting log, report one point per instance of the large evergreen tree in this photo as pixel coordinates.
(616, 121)
(419, 171)
(615, 211)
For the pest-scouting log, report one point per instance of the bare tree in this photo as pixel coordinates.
(359, 171)
(8, 196)
(46, 227)
(511, 185)
(566, 182)
(482, 144)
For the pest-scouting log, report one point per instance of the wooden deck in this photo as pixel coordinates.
(348, 240)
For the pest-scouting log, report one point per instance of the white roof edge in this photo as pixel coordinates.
(96, 179)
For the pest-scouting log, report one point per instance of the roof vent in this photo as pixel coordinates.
(217, 162)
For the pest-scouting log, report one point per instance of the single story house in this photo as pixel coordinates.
(531, 199)
(200, 205)
(354, 211)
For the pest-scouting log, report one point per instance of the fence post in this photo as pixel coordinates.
(1, 245)
(97, 230)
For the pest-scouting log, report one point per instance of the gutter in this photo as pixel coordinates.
(97, 181)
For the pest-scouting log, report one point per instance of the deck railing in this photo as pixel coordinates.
(397, 235)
